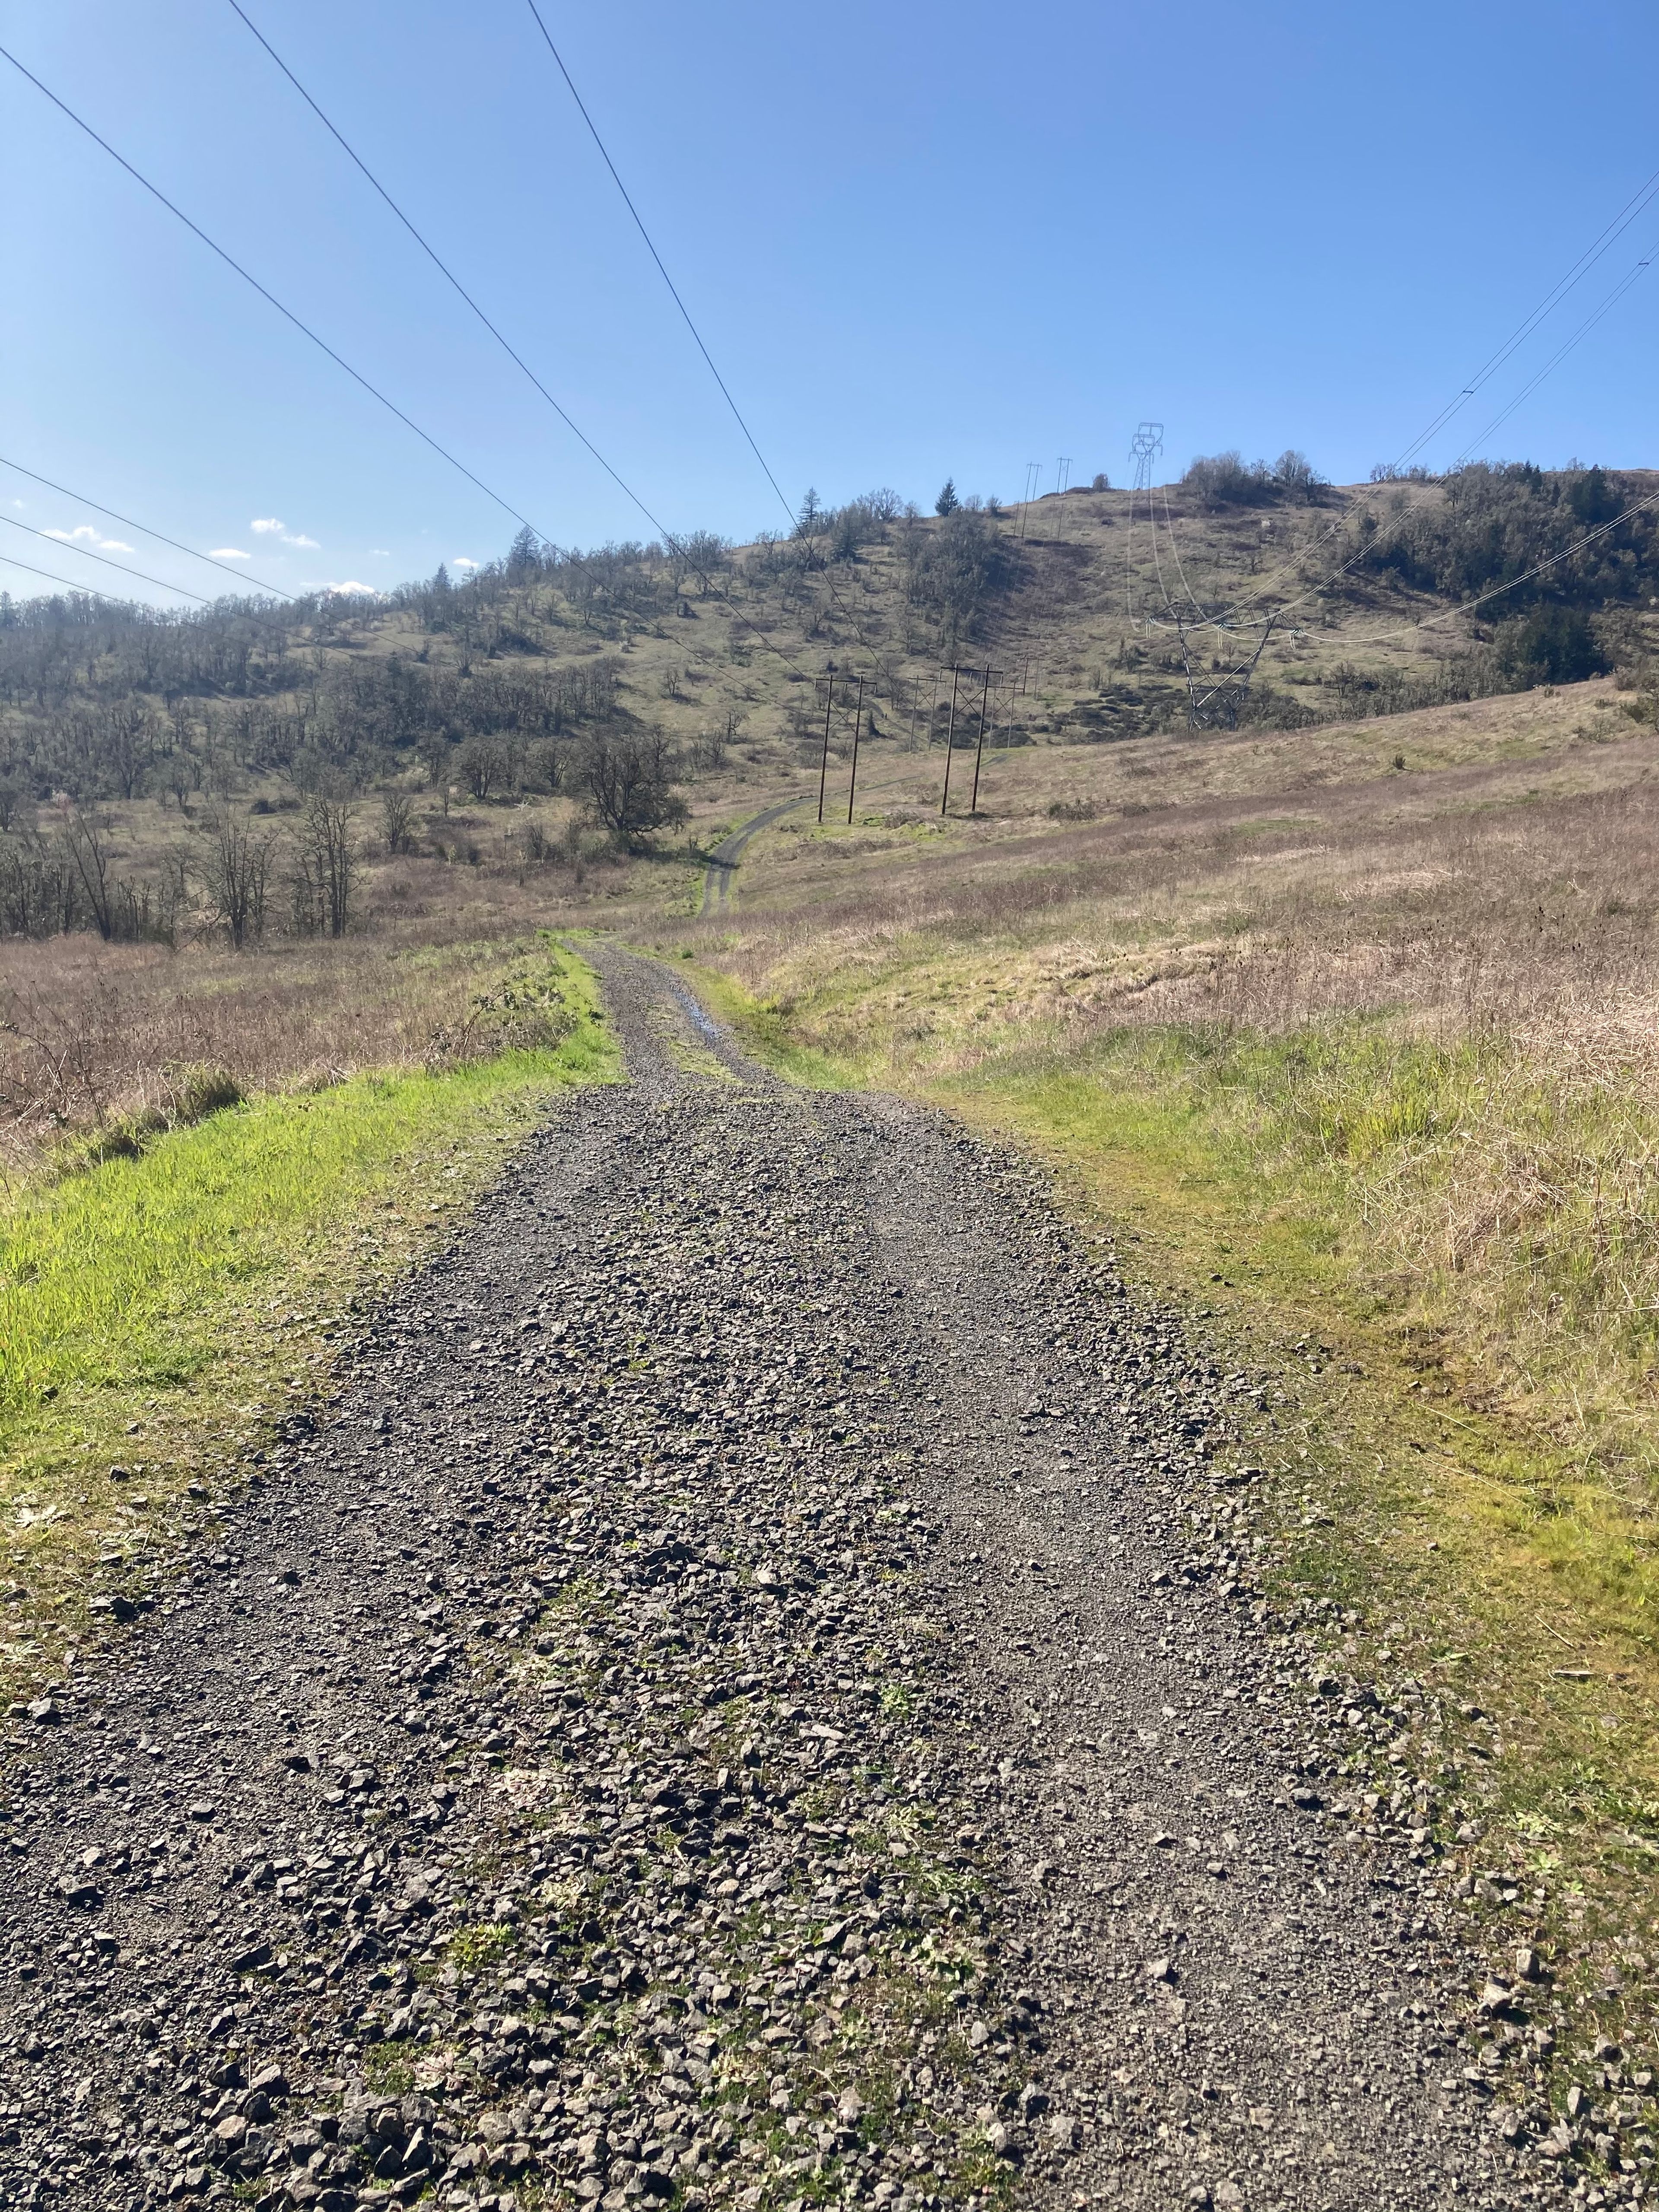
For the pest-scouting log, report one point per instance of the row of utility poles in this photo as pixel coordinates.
(1018, 683)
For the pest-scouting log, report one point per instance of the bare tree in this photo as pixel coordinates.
(324, 865)
(484, 764)
(236, 877)
(630, 777)
(397, 819)
(90, 851)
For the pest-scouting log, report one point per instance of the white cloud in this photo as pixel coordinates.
(300, 538)
(381, 552)
(265, 524)
(461, 562)
(84, 534)
(230, 553)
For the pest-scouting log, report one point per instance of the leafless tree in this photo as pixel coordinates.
(397, 819)
(324, 865)
(236, 877)
(630, 777)
(89, 845)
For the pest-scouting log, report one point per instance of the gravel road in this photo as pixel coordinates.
(752, 1693)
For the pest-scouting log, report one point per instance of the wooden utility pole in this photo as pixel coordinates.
(823, 769)
(984, 701)
(949, 739)
(853, 781)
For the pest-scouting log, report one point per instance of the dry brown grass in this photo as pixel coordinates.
(1421, 1005)
(1502, 883)
(90, 1032)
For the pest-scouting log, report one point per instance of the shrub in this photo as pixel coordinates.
(1551, 644)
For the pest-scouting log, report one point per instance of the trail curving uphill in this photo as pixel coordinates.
(720, 880)
(724, 1709)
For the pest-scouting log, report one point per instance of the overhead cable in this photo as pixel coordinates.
(86, 591)
(1557, 292)
(242, 575)
(1638, 202)
(650, 248)
(449, 275)
(288, 313)
(845, 611)
(87, 554)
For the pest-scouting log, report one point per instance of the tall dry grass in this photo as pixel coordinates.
(1423, 1011)
(91, 1033)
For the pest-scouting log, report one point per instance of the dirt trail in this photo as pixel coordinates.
(721, 875)
(721, 1709)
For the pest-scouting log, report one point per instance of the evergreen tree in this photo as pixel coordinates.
(947, 502)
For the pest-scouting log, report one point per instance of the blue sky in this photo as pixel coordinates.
(919, 239)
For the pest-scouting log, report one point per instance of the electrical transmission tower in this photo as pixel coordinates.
(1148, 444)
(1214, 697)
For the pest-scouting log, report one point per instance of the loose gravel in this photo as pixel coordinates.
(752, 1693)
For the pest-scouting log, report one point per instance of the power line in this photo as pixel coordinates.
(1514, 583)
(1632, 277)
(243, 576)
(288, 313)
(1557, 292)
(86, 554)
(650, 248)
(1586, 260)
(883, 664)
(85, 590)
(450, 278)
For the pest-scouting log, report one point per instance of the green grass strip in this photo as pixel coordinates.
(160, 1309)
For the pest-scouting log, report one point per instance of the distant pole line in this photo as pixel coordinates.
(823, 766)
(950, 740)
(852, 781)
(979, 755)
(1033, 473)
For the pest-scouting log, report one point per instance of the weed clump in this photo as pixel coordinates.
(193, 1094)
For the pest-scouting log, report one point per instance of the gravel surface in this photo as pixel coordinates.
(752, 1693)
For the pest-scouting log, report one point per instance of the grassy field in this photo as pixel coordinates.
(159, 1312)
(1355, 1059)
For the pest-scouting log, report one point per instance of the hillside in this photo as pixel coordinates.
(1076, 603)
(382, 794)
